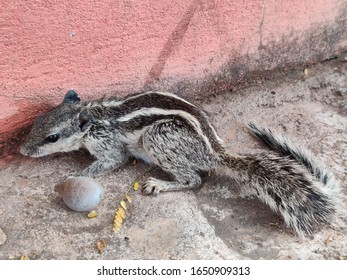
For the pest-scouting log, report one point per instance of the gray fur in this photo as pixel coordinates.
(170, 132)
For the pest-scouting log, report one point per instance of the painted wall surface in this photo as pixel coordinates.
(115, 47)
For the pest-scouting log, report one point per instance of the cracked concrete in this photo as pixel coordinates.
(216, 221)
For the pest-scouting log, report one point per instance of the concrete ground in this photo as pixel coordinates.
(216, 221)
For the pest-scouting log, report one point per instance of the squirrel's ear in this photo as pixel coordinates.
(85, 120)
(71, 97)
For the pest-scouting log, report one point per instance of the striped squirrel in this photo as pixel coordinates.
(165, 130)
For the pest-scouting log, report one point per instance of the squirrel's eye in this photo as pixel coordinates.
(52, 138)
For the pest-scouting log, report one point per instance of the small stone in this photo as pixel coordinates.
(101, 245)
(3, 237)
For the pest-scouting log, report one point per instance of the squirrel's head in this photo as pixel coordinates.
(59, 130)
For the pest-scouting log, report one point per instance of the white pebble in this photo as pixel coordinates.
(80, 193)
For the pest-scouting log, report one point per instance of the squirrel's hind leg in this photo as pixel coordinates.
(178, 150)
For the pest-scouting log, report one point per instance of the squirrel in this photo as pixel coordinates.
(166, 130)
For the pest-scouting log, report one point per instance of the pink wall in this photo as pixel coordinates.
(121, 46)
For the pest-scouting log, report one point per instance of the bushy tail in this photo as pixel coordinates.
(288, 180)
(284, 146)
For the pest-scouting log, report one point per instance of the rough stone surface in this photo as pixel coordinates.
(216, 221)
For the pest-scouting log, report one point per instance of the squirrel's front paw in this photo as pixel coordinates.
(152, 186)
